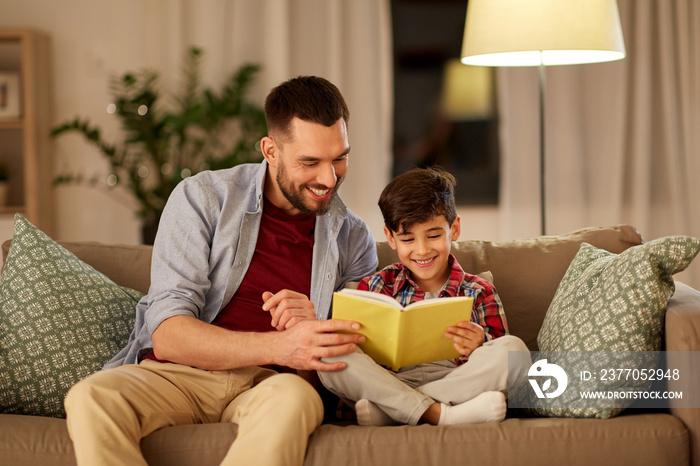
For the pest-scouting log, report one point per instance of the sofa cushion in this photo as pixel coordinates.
(614, 305)
(658, 439)
(60, 320)
(526, 272)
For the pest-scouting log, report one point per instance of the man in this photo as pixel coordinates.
(244, 266)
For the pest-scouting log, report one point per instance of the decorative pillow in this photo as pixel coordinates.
(613, 303)
(60, 320)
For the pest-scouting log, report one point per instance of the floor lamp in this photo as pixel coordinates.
(541, 33)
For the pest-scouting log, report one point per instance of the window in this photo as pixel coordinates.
(431, 126)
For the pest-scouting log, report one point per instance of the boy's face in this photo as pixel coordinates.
(424, 249)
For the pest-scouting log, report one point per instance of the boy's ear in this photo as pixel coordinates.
(456, 229)
(390, 238)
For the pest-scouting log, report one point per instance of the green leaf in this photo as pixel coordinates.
(192, 129)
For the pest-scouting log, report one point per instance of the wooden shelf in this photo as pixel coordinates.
(25, 142)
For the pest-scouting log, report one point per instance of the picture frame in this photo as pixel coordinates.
(9, 95)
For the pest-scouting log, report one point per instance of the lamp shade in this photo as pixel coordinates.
(541, 32)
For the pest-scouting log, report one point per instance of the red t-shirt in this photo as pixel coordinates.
(282, 260)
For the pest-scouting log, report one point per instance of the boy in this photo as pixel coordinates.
(420, 225)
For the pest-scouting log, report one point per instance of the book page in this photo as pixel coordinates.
(429, 302)
(362, 294)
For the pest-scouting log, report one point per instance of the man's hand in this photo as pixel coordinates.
(288, 308)
(303, 345)
(467, 337)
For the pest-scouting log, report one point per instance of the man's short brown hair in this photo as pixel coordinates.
(418, 196)
(308, 98)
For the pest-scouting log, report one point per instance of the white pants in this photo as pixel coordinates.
(406, 394)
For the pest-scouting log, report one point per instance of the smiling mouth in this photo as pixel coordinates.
(320, 193)
(424, 262)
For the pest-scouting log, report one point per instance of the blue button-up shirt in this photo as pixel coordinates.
(205, 243)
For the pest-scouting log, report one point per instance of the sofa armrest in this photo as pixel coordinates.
(683, 319)
(683, 334)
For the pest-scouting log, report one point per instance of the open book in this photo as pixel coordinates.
(398, 336)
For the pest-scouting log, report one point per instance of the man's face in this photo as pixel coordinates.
(424, 249)
(308, 167)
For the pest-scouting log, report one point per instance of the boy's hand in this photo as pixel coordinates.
(288, 308)
(467, 337)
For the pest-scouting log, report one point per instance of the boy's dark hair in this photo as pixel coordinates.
(308, 98)
(418, 196)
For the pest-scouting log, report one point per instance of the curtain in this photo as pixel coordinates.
(622, 140)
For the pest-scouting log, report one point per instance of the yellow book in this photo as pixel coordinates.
(400, 336)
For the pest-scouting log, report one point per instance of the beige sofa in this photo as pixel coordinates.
(526, 273)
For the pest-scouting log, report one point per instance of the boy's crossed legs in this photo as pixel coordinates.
(438, 393)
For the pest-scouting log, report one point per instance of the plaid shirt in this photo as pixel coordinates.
(395, 281)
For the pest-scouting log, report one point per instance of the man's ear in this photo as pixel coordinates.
(456, 229)
(390, 238)
(269, 150)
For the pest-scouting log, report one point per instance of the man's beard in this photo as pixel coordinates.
(296, 196)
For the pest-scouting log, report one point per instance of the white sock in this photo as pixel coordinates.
(487, 407)
(369, 414)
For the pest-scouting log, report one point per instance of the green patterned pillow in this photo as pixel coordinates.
(60, 320)
(614, 303)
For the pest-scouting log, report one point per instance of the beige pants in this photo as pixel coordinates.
(109, 412)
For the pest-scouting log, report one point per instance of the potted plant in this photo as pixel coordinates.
(165, 142)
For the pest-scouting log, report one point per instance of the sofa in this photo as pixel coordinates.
(526, 274)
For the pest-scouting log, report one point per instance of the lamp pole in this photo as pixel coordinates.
(543, 84)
